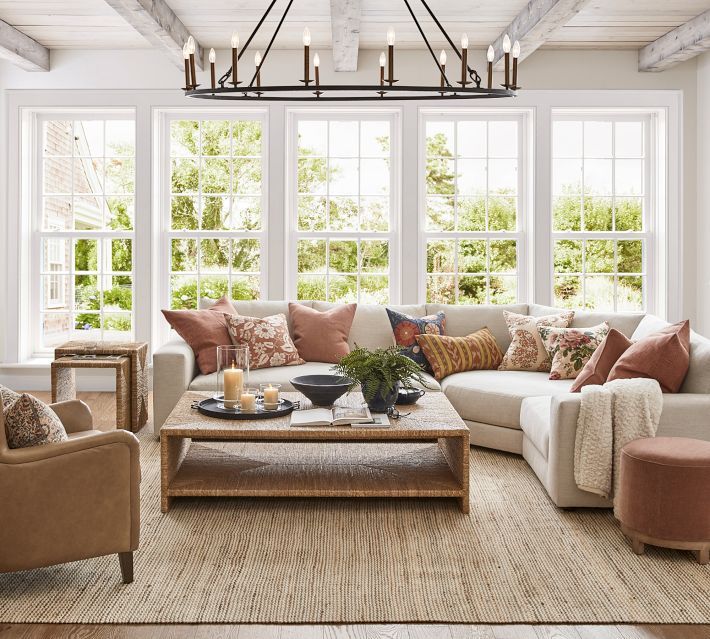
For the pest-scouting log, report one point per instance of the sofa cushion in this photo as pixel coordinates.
(30, 422)
(260, 308)
(571, 348)
(535, 422)
(268, 340)
(597, 369)
(625, 323)
(494, 397)
(406, 328)
(322, 336)
(462, 320)
(447, 354)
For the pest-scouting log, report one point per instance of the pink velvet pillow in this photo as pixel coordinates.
(204, 331)
(663, 356)
(322, 336)
(597, 369)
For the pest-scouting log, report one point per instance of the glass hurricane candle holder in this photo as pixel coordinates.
(232, 374)
(270, 394)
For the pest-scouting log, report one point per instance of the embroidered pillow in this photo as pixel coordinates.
(526, 351)
(268, 340)
(9, 397)
(597, 369)
(29, 422)
(448, 355)
(571, 348)
(406, 328)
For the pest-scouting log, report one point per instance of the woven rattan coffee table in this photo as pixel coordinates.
(423, 455)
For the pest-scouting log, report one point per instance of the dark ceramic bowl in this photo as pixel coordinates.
(322, 390)
(409, 395)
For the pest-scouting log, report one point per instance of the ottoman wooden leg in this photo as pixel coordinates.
(703, 555)
(638, 546)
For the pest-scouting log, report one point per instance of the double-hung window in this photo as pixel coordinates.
(84, 222)
(215, 209)
(342, 199)
(601, 210)
(471, 208)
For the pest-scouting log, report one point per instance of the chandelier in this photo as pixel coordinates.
(230, 87)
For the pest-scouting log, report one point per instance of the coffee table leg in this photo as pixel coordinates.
(172, 454)
(456, 451)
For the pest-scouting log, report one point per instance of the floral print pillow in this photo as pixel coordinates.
(571, 348)
(268, 340)
(526, 351)
(406, 328)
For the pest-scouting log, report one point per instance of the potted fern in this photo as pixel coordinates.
(380, 373)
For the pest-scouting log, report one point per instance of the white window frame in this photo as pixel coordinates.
(521, 235)
(649, 232)
(291, 195)
(38, 234)
(163, 173)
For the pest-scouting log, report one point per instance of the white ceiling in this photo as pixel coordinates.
(91, 24)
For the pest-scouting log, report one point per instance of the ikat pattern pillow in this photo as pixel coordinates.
(571, 348)
(406, 328)
(29, 422)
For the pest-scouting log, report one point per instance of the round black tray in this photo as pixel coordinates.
(211, 408)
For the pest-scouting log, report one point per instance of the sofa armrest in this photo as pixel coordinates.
(174, 367)
(74, 414)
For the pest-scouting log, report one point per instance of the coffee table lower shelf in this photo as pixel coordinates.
(302, 469)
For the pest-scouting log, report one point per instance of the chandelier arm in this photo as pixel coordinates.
(268, 48)
(421, 31)
(228, 73)
(472, 72)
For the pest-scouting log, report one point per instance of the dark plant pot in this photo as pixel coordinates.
(381, 402)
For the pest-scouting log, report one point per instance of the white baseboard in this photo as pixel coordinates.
(37, 378)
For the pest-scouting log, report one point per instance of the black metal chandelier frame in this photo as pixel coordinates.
(339, 92)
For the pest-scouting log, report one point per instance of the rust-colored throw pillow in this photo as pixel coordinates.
(204, 331)
(322, 336)
(447, 355)
(597, 369)
(526, 351)
(663, 356)
(268, 340)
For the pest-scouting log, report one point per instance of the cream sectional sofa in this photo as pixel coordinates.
(513, 411)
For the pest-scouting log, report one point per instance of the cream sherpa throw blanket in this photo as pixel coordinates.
(610, 417)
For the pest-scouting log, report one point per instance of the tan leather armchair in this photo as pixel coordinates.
(70, 500)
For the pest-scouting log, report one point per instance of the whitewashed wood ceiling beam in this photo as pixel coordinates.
(685, 42)
(345, 28)
(21, 50)
(159, 25)
(537, 23)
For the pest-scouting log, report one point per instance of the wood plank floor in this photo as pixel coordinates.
(102, 406)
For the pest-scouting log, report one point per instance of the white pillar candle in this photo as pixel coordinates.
(248, 401)
(233, 385)
(271, 397)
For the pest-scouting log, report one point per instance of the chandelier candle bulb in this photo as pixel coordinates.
(383, 61)
(306, 56)
(213, 77)
(390, 54)
(257, 64)
(506, 51)
(191, 53)
(186, 56)
(235, 57)
(316, 66)
(464, 58)
(442, 62)
(491, 54)
(516, 55)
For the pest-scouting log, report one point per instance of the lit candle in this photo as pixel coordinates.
(516, 55)
(383, 61)
(491, 54)
(271, 397)
(390, 53)
(191, 53)
(306, 56)
(442, 62)
(506, 51)
(186, 55)
(247, 401)
(235, 57)
(316, 66)
(464, 59)
(213, 78)
(257, 63)
(233, 385)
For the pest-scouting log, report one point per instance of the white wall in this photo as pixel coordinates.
(703, 203)
(139, 70)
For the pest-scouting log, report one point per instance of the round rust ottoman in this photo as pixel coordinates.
(664, 494)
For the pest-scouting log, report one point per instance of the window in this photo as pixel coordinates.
(471, 202)
(86, 206)
(601, 211)
(342, 203)
(215, 241)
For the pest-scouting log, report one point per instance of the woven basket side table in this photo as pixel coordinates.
(64, 382)
(138, 379)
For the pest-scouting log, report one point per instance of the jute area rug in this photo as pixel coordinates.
(515, 559)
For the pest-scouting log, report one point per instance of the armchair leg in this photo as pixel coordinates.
(126, 561)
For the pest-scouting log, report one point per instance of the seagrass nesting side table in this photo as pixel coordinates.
(128, 359)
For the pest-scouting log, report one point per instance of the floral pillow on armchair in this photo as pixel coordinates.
(571, 348)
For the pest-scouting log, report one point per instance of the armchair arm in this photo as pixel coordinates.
(174, 367)
(74, 414)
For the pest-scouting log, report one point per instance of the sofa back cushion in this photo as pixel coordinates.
(462, 320)
(259, 308)
(625, 323)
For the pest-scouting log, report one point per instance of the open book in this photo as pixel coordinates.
(339, 416)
